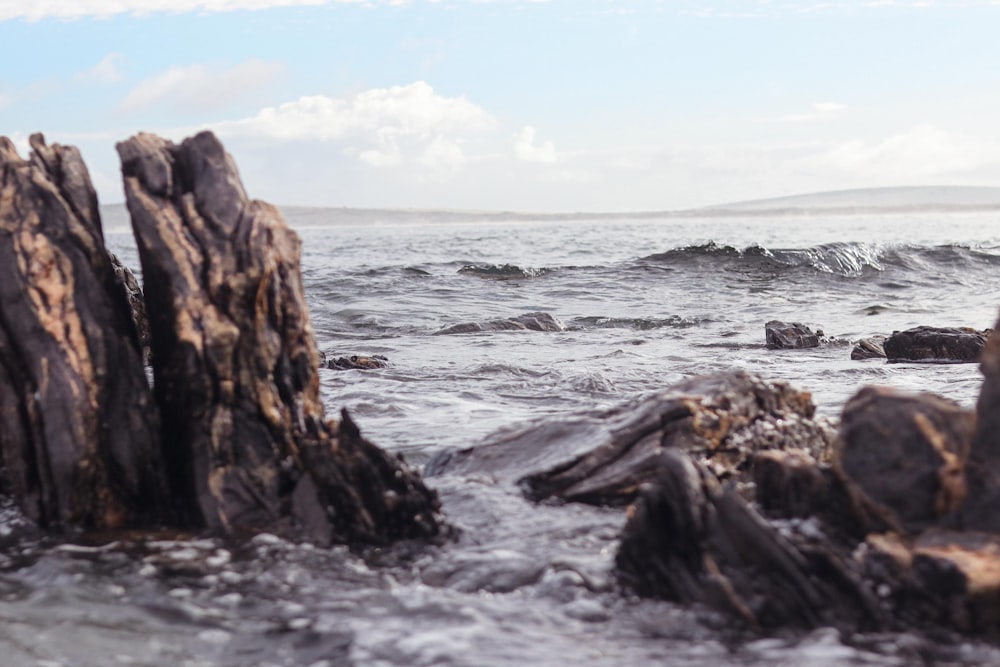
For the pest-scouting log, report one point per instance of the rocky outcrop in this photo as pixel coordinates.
(525, 322)
(784, 336)
(721, 420)
(79, 430)
(246, 441)
(690, 540)
(137, 306)
(936, 345)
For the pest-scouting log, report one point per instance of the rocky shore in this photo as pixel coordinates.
(737, 497)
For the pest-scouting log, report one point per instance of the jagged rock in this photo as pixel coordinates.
(783, 336)
(354, 362)
(526, 322)
(721, 420)
(137, 306)
(906, 452)
(79, 430)
(692, 541)
(869, 348)
(933, 344)
(792, 485)
(247, 443)
(980, 511)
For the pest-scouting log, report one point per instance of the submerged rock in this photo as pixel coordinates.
(934, 344)
(869, 348)
(525, 322)
(354, 362)
(784, 336)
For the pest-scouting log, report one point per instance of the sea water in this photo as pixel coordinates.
(646, 302)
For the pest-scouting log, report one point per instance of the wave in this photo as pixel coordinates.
(639, 323)
(849, 259)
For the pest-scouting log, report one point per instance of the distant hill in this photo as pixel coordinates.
(871, 199)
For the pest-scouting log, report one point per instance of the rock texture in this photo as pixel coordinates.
(934, 344)
(691, 541)
(869, 348)
(247, 444)
(721, 420)
(907, 453)
(79, 430)
(525, 322)
(784, 336)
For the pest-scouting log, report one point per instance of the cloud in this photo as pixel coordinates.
(381, 127)
(527, 150)
(201, 88)
(105, 71)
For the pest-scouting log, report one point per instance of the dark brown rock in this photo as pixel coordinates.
(982, 508)
(721, 420)
(137, 305)
(247, 443)
(907, 453)
(935, 345)
(691, 541)
(869, 348)
(525, 322)
(792, 485)
(79, 430)
(784, 336)
(354, 362)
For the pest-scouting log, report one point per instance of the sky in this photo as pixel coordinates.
(526, 105)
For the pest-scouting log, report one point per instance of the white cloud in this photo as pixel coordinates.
(105, 71)
(381, 127)
(200, 87)
(527, 150)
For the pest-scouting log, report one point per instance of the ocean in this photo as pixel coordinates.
(646, 301)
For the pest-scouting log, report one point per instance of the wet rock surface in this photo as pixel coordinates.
(355, 362)
(235, 363)
(869, 348)
(936, 344)
(790, 336)
(79, 430)
(525, 322)
(603, 458)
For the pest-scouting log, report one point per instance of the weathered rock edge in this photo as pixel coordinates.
(246, 442)
(79, 431)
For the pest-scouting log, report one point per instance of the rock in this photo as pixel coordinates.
(137, 306)
(907, 453)
(79, 430)
(355, 362)
(792, 485)
(869, 348)
(721, 420)
(247, 444)
(794, 336)
(691, 541)
(980, 511)
(936, 345)
(526, 322)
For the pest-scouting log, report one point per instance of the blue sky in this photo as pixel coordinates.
(558, 105)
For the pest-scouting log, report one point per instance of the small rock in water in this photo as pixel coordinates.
(936, 344)
(525, 322)
(355, 362)
(783, 336)
(869, 348)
